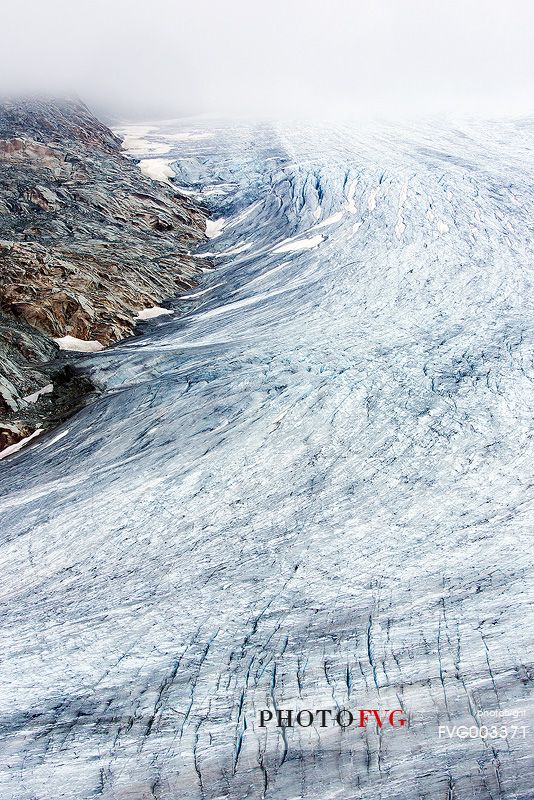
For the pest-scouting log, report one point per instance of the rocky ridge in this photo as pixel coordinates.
(86, 242)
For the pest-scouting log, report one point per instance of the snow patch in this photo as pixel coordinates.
(158, 169)
(443, 227)
(214, 227)
(14, 448)
(33, 398)
(154, 311)
(299, 244)
(199, 294)
(329, 220)
(350, 205)
(371, 202)
(56, 438)
(79, 345)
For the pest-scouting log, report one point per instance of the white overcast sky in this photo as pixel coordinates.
(142, 58)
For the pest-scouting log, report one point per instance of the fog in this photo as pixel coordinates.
(301, 58)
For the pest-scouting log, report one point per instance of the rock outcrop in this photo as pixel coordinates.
(86, 242)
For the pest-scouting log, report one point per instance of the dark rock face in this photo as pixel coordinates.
(86, 241)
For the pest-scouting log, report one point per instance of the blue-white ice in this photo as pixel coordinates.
(311, 490)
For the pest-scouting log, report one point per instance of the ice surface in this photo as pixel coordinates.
(313, 489)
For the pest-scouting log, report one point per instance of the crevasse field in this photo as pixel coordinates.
(309, 487)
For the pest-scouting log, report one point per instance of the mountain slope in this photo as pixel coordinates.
(86, 241)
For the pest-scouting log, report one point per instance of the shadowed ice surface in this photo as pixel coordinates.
(311, 489)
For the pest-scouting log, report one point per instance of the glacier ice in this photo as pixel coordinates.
(309, 489)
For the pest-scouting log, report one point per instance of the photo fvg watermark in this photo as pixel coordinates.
(515, 713)
(327, 717)
(502, 723)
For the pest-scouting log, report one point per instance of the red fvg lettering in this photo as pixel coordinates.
(387, 717)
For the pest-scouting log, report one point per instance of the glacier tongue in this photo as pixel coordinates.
(311, 490)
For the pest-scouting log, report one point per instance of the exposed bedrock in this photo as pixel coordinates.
(86, 242)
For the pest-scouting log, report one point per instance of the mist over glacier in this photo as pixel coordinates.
(308, 489)
(298, 59)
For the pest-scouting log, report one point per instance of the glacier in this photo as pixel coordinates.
(309, 487)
